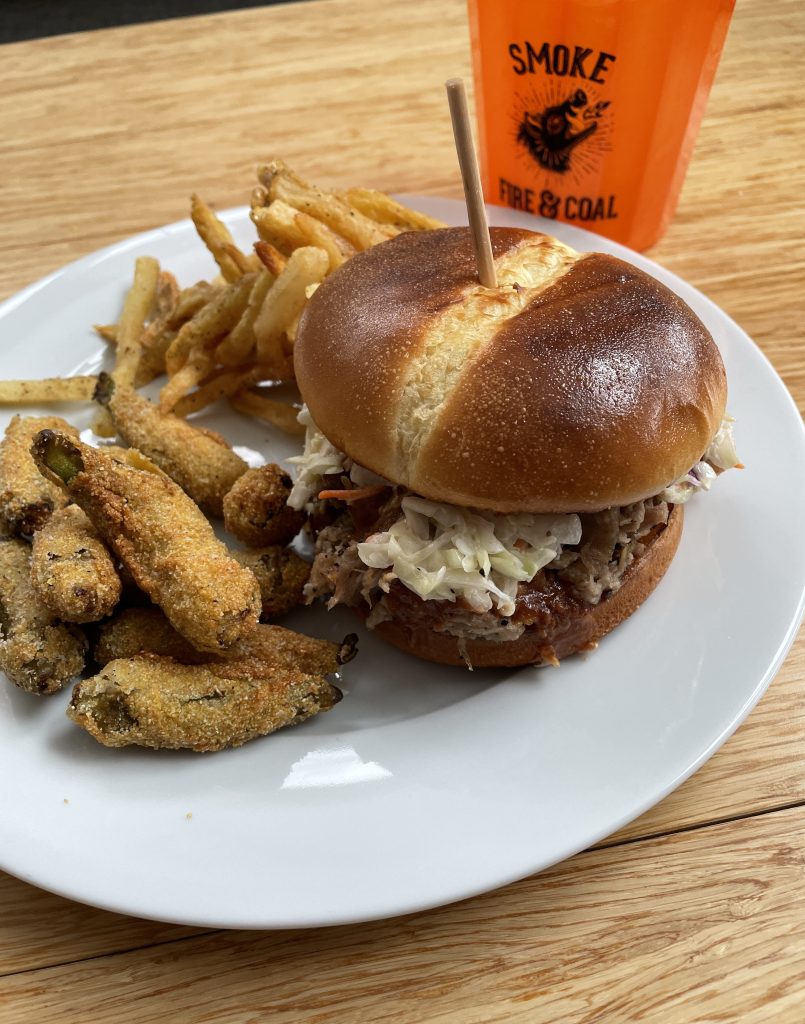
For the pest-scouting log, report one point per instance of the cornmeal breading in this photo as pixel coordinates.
(162, 538)
(146, 631)
(282, 576)
(153, 701)
(72, 571)
(27, 499)
(255, 509)
(200, 461)
(37, 653)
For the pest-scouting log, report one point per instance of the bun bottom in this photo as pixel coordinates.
(566, 634)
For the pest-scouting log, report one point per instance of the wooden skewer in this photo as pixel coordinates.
(471, 178)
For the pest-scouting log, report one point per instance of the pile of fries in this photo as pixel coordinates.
(233, 337)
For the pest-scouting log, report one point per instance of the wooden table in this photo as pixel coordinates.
(692, 913)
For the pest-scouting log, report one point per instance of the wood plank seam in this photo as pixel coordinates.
(632, 841)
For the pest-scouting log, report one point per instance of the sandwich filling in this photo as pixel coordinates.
(483, 575)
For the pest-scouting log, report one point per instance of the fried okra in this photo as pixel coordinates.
(255, 509)
(136, 631)
(282, 576)
(152, 701)
(27, 499)
(37, 653)
(200, 461)
(72, 571)
(162, 538)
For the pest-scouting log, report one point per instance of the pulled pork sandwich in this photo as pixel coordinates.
(495, 477)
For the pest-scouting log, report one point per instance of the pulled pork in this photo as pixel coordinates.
(581, 574)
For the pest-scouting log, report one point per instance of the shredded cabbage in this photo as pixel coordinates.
(442, 552)
(719, 456)
(721, 452)
(317, 460)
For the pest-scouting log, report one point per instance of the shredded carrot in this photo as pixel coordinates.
(353, 494)
(739, 465)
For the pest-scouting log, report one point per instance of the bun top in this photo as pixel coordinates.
(579, 383)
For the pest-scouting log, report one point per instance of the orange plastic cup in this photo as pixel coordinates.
(588, 109)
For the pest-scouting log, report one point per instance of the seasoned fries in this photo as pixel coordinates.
(386, 210)
(279, 414)
(210, 323)
(215, 235)
(136, 309)
(287, 298)
(47, 390)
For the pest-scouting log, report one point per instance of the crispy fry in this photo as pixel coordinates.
(27, 499)
(280, 224)
(286, 299)
(255, 509)
(189, 302)
(72, 571)
(157, 336)
(271, 258)
(136, 631)
(199, 460)
(358, 230)
(106, 331)
(221, 384)
(279, 414)
(385, 210)
(136, 309)
(162, 538)
(282, 576)
(216, 236)
(239, 344)
(37, 653)
(49, 389)
(211, 322)
(155, 702)
(200, 364)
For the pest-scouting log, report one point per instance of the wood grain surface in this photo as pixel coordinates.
(105, 134)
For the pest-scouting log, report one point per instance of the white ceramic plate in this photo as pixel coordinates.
(425, 784)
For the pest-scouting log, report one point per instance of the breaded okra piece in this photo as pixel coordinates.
(72, 570)
(150, 701)
(282, 576)
(27, 499)
(255, 509)
(136, 631)
(200, 461)
(37, 653)
(162, 538)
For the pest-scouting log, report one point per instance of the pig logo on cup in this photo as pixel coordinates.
(552, 134)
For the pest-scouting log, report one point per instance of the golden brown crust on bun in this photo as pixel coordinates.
(579, 383)
(575, 630)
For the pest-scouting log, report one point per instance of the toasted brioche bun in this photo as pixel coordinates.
(578, 384)
(566, 634)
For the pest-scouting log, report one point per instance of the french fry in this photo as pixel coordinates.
(238, 345)
(221, 384)
(199, 364)
(270, 257)
(188, 303)
(286, 299)
(210, 323)
(136, 310)
(269, 410)
(215, 235)
(385, 210)
(107, 331)
(352, 225)
(288, 228)
(49, 389)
